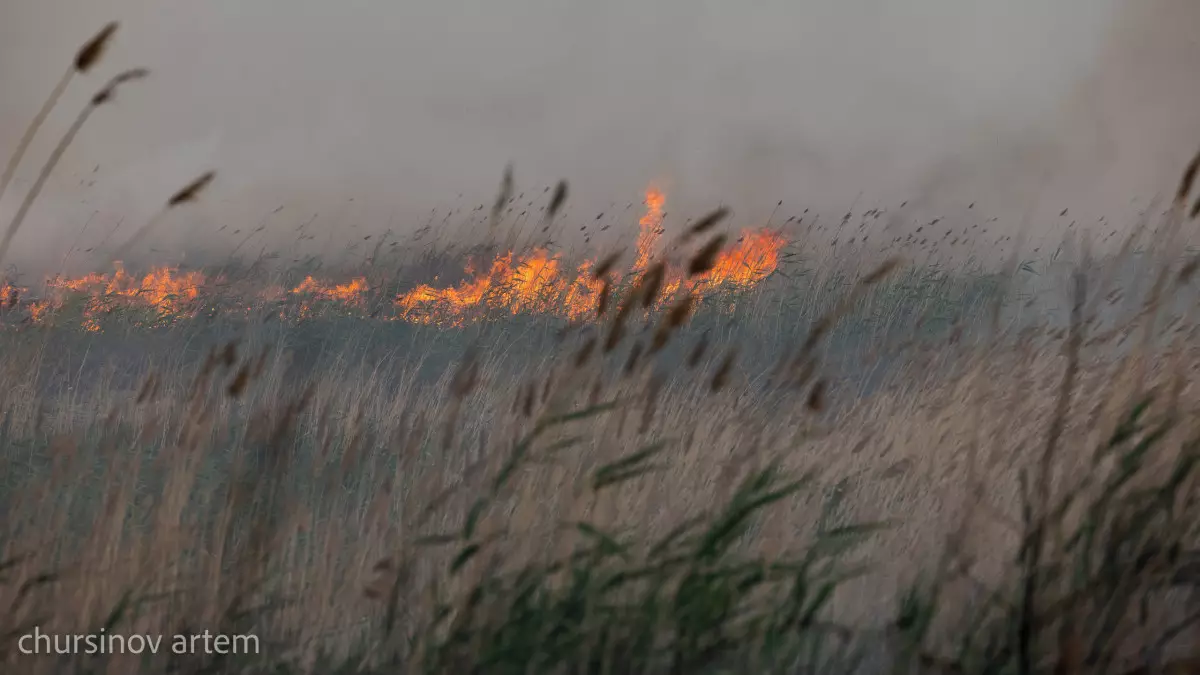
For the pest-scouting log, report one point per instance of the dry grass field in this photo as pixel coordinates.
(719, 450)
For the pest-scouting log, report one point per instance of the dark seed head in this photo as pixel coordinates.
(557, 199)
(1189, 270)
(709, 221)
(527, 403)
(706, 257)
(1188, 179)
(651, 284)
(635, 355)
(674, 319)
(93, 50)
(602, 301)
(585, 352)
(724, 370)
(816, 396)
(192, 190)
(617, 332)
(238, 385)
(106, 94)
(606, 265)
(879, 273)
(505, 194)
(229, 354)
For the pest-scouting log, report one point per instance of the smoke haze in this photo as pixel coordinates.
(1024, 106)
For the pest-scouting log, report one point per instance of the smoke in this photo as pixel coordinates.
(1023, 106)
(1137, 113)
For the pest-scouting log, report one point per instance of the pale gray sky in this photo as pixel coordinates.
(403, 105)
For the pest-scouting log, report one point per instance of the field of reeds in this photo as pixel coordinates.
(704, 453)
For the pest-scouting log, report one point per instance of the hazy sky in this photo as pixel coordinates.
(403, 105)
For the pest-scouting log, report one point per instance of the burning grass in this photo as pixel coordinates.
(537, 282)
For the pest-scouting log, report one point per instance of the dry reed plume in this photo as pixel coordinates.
(85, 59)
(104, 95)
(187, 194)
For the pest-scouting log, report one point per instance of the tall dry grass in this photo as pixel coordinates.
(360, 514)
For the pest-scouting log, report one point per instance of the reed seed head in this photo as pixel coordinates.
(238, 385)
(722, 374)
(505, 194)
(191, 191)
(602, 301)
(229, 354)
(557, 199)
(109, 90)
(528, 400)
(1188, 180)
(651, 284)
(606, 265)
(675, 318)
(585, 352)
(816, 396)
(706, 257)
(631, 363)
(93, 50)
(1189, 269)
(709, 221)
(880, 273)
(617, 331)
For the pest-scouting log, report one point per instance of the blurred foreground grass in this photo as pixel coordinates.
(940, 476)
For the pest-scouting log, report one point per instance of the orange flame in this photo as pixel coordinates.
(350, 293)
(650, 228)
(536, 284)
(10, 295)
(539, 282)
(751, 260)
(163, 289)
